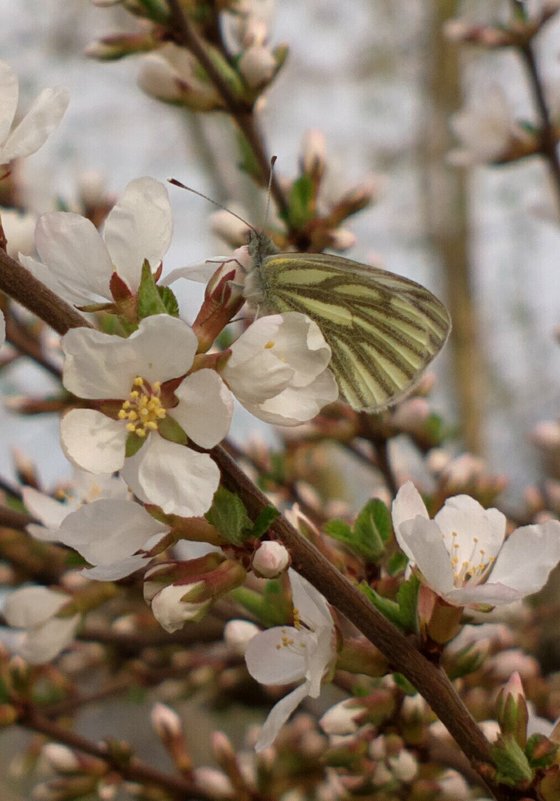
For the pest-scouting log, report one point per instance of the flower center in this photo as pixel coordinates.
(472, 569)
(143, 410)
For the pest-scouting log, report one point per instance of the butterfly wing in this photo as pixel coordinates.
(383, 329)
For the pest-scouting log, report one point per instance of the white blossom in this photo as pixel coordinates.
(485, 128)
(286, 654)
(36, 126)
(77, 262)
(463, 553)
(84, 488)
(278, 369)
(35, 610)
(100, 366)
(271, 559)
(109, 533)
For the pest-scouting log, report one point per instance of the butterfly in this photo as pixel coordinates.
(383, 329)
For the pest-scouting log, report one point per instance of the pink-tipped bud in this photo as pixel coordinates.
(270, 560)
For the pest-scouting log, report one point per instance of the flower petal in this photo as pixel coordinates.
(279, 714)
(45, 642)
(312, 607)
(296, 405)
(205, 408)
(407, 505)
(468, 527)
(39, 122)
(139, 227)
(490, 594)
(117, 570)
(527, 557)
(108, 530)
(421, 540)
(173, 477)
(9, 93)
(93, 441)
(51, 513)
(32, 606)
(74, 256)
(276, 656)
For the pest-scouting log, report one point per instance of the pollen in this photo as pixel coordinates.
(475, 567)
(269, 345)
(143, 410)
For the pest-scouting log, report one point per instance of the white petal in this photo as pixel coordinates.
(270, 661)
(463, 519)
(297, 405)
(41, 119)
(172, 613)
(139, 227)
(422, 539)
(9, 93)
(47, 641)
(279, 715)
(260, 377)
(205, 408)
(98, 365)
(107, 531)
(312, 607)
(73, 252)
(117, 570)
(51, 513)
(407, 505)
(93, 441)
(32, 606)
(164, 347)
(173, 477)
(491, 594)
(527, 557)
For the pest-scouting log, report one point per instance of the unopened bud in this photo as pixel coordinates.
(342, 239)
(166, 722)
(214, 782)
(116, 46)
(511, 710)
(313, 153)
(270, 559)
(239, 633)
(340, 719)
(61, 758)
(258, 66)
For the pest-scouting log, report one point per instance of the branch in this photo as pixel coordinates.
(21, 285)
(242, 114)
(429, 680)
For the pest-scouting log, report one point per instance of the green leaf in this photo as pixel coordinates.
(301, 201)
(512, 764)
(170, 430)
(229, 516)
(149, 298)
(371, 531)
(169, 300)
(133, 444)
(397, 563)
(402, 611)
(264, 521)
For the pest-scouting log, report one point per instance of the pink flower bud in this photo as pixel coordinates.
(271, 559)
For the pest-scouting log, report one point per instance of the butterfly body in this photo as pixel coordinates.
(383, 329)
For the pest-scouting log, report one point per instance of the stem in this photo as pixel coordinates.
(548, 144)
(28, 346)
(242, 114)
(10, 518)
(21, 285)
(133, 770)
(429, 680)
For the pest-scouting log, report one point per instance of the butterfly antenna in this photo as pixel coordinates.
(268, 190)
(175, 182)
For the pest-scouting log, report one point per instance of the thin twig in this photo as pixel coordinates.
(243, 114)
(132, 770)
(28, 346)
(21, 285)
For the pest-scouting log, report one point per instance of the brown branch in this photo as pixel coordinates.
(28, 346)
(132, 770)
(10, 518)
(21, 285)
(429, 680)
(242, 113)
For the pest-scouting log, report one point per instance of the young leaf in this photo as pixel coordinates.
(229, 516)
(149, 299)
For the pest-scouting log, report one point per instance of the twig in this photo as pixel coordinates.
(429, 680)
(21, 285)
(29, 346)
(133, 770)
(242, 113)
